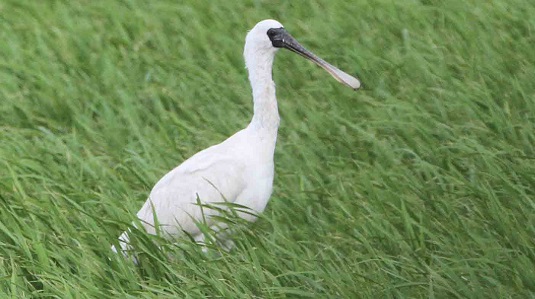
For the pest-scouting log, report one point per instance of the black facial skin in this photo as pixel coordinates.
(276, 35)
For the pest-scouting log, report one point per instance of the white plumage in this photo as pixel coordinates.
(239, 170)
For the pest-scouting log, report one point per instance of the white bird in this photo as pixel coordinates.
(239, 170)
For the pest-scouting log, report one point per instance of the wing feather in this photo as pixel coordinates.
(208, 176)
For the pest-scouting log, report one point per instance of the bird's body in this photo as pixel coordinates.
(239, 170)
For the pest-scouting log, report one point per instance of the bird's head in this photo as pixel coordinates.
(257, 42)
(268, 36)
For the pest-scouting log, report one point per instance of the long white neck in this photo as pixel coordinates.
(259, 63)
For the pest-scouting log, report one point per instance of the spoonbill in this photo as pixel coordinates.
(238, 170)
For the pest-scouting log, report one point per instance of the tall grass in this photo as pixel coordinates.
(421, 185)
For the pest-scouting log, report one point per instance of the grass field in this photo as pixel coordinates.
(420, 185)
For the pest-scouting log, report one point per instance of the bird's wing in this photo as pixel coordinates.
(208, 177)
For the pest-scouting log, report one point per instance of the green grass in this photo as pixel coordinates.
(420, 185)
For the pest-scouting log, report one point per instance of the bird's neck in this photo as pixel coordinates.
(266, 114)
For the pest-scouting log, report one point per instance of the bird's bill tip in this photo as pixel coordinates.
(342, 76)
(337, 74)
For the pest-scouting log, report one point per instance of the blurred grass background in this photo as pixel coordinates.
(420, 185)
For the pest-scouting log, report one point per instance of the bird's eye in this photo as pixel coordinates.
(271, 32)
